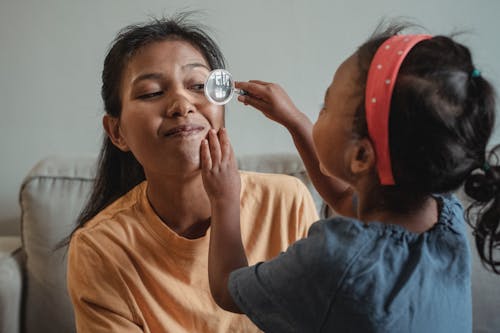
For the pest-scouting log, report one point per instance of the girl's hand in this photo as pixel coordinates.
(222, 182)
(272, 100)
(221, 178)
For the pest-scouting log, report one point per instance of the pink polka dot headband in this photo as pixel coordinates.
(382, 75)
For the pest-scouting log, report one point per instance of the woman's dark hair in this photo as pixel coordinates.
(442, 116)
(118, 171)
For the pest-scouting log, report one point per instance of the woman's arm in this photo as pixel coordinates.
(222, 183)
(274, 102)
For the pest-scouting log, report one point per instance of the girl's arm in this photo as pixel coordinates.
(274, 102)
(222, 183)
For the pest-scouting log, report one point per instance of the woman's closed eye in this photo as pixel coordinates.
(151, 95)
(198, 87)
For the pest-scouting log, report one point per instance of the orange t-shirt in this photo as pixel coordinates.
(129, 272)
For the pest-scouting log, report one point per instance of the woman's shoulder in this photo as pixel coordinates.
(271, 182)
(114, 217)
(253, 176)
(271, 193)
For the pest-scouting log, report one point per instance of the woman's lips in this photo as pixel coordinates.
(184, 130)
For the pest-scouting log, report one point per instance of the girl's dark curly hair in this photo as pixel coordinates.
(442, 117)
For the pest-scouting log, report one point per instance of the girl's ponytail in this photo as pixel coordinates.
(484, 214)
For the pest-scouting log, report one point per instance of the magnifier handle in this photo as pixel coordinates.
(240, 91)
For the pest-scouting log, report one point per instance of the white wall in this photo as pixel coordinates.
(51, 55)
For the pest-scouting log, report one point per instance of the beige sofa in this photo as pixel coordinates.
(33, 295)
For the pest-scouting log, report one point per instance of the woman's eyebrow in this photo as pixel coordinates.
(148, 76)
(159, 76)
(195, 65)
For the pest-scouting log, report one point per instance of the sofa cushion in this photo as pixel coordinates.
(10, 283)
(51, 198)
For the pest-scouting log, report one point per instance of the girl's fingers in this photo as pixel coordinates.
(253, 88)
(213, 142)
(226, 149)
(260, 82)
(206, 159)
(255, 102)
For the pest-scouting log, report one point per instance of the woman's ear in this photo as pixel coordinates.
(362, 157)
(112, 127)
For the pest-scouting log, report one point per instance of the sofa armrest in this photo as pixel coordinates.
(11, 282)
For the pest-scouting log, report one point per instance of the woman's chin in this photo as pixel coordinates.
(189, 165)
(178, 163)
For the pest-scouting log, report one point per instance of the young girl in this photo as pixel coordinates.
(137, 261)
(405, 121)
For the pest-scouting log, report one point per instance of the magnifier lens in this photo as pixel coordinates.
(219, 86)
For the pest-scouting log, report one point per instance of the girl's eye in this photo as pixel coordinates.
(151, 95)
(198, 87)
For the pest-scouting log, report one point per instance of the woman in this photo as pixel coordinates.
(138, 258)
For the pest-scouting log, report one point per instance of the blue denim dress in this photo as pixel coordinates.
(347, 276)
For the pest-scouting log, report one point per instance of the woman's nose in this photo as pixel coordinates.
(179, 106)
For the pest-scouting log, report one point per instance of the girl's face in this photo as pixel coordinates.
(165, 114)
(332, 132)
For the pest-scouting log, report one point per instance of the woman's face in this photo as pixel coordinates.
(165, 114)
(332, 132)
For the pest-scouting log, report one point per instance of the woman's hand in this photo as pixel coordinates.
(272, 100)
(221, 178)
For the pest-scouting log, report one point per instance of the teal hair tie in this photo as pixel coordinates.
(476, 73)
(486, 166)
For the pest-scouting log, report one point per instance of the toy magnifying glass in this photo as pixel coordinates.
(219, 87)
